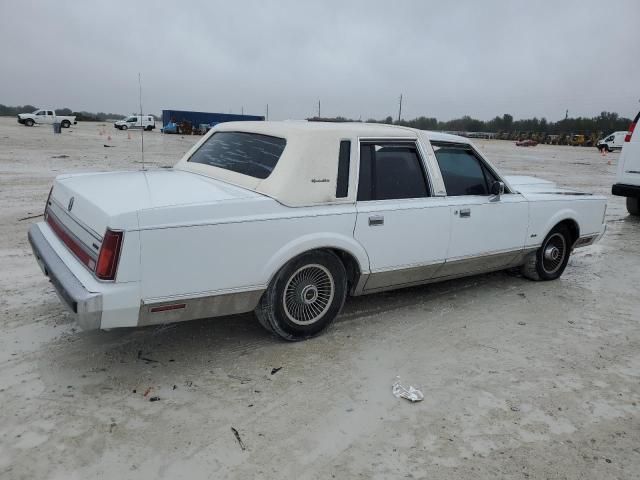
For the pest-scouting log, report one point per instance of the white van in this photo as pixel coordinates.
(628, 174)
(613, 141)
(136, 121)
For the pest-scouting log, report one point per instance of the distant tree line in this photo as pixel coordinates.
(602, 124)
(7, 111)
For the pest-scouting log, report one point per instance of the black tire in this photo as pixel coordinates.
(633, 206)
(304, 297)
(123, 127)
(550, 260)
(65, 124)
(29, 122)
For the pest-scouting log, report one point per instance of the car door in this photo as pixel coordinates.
(401, 225)
(49, 117)
(487, 230)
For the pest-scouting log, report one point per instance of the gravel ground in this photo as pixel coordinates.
(521, 379)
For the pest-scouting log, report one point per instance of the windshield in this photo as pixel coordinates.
(130, 119)
(246, 153)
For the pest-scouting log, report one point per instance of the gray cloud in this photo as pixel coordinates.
(447, 58)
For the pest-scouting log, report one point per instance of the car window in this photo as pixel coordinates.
(462, 171)
(246, 153)
(41, 112)
(133, 119)
(49, 112)
(390, 170)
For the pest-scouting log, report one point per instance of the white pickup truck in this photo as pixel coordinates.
(289, 218)
(46, 117)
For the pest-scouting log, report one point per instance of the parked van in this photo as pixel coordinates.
(136, 121)
(628, 174)
(613, 141)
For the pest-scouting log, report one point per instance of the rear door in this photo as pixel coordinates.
(402, 226)
(487, 231)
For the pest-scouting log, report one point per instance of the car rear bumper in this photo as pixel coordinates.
(86, 306)
(623, 190)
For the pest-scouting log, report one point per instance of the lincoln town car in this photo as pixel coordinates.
(288, 219)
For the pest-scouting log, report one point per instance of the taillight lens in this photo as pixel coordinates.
(109, 255)
(632, 127)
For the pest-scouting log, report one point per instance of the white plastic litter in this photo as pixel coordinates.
(410, 393)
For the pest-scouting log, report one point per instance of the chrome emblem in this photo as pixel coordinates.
(70, 206)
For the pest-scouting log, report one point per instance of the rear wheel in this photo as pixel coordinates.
(65, 124)
(550, 260)
(633, 206)
(304, 297)
(29, 122)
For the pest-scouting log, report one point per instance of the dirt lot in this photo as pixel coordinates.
(521, 379)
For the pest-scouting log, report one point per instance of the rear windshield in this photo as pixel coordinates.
(246, 153)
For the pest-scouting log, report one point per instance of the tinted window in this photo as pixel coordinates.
(390, 171)
(342, 185)
(246, 153)
(462, 171)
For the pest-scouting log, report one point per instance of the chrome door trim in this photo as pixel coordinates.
(397, 278)
(392, 279)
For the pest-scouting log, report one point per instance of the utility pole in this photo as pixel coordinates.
(566, 114)
(319, 116)
(267, 111)
(400, 109)
(242, 110)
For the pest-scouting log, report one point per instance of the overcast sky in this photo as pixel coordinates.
(448, 59)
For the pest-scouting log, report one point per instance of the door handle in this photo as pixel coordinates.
(376, 220)
(465, 212)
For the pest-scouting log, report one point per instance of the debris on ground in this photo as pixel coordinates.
(154, 399)
(237, 435)
(275, 370)
(107, 146)
(30, 217)
(242, 379)
(60, 156)
(410, 393)
(146, 359)
(147, 391)
(522, 323)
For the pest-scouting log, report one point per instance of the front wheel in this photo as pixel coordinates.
(304, 297)
(123, 127)
(633, 206)
(29, 122)
(550, 260)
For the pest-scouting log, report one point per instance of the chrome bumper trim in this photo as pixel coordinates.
(85, 306)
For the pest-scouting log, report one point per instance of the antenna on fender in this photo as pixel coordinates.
(141, 121)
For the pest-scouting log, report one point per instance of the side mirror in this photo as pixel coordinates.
(497, 188)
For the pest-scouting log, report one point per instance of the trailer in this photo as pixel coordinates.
(188, 122)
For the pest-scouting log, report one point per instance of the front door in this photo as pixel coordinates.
(404, 229)
(487, 231)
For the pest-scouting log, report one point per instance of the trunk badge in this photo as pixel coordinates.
(70, 206)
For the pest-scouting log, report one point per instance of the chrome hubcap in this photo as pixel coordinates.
(554, 253)
(308, 294)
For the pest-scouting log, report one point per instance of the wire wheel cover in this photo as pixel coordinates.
(554, 253)
(308, 294)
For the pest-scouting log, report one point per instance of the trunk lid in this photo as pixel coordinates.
(82, 206)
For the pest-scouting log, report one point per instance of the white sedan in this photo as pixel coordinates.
(287, 219)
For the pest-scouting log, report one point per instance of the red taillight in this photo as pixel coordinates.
(109, 255)
(632, 127)
(69, 240)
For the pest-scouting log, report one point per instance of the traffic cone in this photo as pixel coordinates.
(109, 138)
(128, 135)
